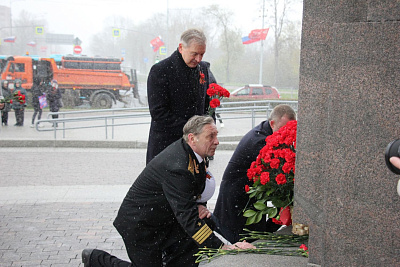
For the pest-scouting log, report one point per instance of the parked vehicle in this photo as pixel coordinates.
(95, 79)
(255, 92)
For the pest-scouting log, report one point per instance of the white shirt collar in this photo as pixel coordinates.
(199, 158)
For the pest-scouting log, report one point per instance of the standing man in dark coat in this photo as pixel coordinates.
(19, 106)
(177, 90)
(54, 99)
(159, 219)
(232, 197)
(6, 93)
(37, 90)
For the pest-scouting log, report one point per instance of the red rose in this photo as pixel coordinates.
(280, 179)
(215, 103)
(247, 188)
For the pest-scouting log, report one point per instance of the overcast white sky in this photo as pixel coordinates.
(82, 17)
(85, 17)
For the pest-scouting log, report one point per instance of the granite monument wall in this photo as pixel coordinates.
(349, 110)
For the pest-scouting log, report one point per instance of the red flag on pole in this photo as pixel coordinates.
(259, 34)
(255, 36)
(156, 43)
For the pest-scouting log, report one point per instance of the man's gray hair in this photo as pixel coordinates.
(281, 110)
(193, 35)
(195, 125)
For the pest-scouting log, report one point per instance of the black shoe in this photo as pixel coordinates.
(86, 253)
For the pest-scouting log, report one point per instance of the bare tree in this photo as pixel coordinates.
(223, 19)
(24, 29)
(225, 51)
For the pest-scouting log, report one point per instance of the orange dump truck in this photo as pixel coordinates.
(97, 80)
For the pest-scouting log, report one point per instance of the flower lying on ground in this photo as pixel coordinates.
(268, 243)
(303, 250)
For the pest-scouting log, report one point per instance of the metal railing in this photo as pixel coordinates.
(70, 121)
(253, 107)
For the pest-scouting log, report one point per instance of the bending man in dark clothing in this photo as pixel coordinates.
(177, 90)
(159, 218)
(232, 198)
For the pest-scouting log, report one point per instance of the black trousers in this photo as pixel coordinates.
(38, 111)
(19, 116)
(4, 117)
(178, 254)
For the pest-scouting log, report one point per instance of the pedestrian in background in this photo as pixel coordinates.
(53, 99)
(37, 91)
(19, 106)
(7, 106)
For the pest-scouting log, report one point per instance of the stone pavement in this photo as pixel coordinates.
(56, 201)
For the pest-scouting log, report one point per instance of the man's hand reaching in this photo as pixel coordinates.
(239, 245)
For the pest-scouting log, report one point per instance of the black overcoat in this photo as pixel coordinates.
(160, 208)
(53, 97)
(37, 90)
(175, 94)
(232, 197)
(7, 94)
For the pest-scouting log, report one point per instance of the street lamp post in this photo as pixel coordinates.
(262, 47)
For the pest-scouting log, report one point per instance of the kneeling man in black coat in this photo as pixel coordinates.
(159, 218)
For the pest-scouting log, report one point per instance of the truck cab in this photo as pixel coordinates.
(97, 80)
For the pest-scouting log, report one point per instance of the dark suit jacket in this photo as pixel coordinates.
(232, 198)
(160, 207)
(174, 95)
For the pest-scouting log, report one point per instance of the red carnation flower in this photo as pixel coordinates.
(272, 174)
(275, 163)
(304, 247)
(202, 78)
(215, 103)
(264, 177)
(280, 179)
(216, 93)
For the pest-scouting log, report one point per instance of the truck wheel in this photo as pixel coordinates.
(103, 101)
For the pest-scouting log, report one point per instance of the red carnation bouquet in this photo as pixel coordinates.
(272, 175)
(17, 97)
(216, 93)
